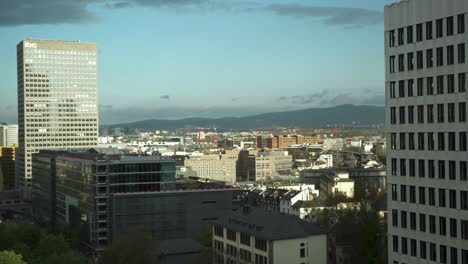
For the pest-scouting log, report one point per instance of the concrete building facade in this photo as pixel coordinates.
(57, 100)
(8, 135)
(221, 167)
(426, 97)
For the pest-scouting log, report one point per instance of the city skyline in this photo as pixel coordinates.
(243, 57)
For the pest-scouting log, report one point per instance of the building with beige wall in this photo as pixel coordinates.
(267, 164)
(221, 167)
(254, 235)
(57, 100)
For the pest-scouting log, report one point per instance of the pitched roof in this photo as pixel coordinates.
(269, 225)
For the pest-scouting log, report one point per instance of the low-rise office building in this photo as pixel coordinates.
(254, 235)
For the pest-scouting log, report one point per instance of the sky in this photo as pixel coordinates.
(170, 59)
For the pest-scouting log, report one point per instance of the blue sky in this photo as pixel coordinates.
(181, 58)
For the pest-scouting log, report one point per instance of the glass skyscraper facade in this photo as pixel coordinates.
(57, 100)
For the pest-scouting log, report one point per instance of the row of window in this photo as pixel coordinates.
(406, 87)
(450, 58)
(431, 141)
(441, 169)
(432, 111)
(427, 250)
(244, 238)
(439, 27)
(408, 194)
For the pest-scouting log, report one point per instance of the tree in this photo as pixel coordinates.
(10, 257)
(135, 247)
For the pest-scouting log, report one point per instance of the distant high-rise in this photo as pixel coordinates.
(57, 100)
(426, 120)
(8, 135)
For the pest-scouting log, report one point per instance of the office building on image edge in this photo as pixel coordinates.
(57, 100)
(426, 120)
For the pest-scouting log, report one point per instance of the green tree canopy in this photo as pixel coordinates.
(10, 257)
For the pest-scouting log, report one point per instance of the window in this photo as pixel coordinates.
(463, 171)
(404, 215)
(411, 141)
(404, 245)
(261, 244)
(419, 59)
(440, 56)
(442, 226)
(421, 166)
(440, 84)
(392, 90)
(412, 190)
(403, 193)
(422, 195)
(453, 227)
(461, 53)
(429, 58)
(402, 167)
(302, 252)
(410, 57)
(419, 32)
(451, 113)
(440, 113)
(432, 224)
(443, 254)
(394, 165)
(422, 222)
(431, 192)
(410, 114)
(420, 114)
(420, 86)
(394, 217)
(412, 167)
(395, 243)
(393, 140)
(461, 24)
(462, 112)
(259, 259)
(461, 82)
(453, 199)
(401, 111)
(449, 26)
(420, 141)
(430, 86)
(231, 235)
(393, 115)
(394, 192)
(441, 167)
(429, 30)
(432, 252)
(431, 168)
(464, 229)
(422, 249)
(441, 197)
(439, 28)
(410, 87)
(464, 200)
(392, 64)
(401, 40)
(218, 231)
(452, 169)
(440, 141)
(451, 141)
(391, 38)
(450, 55)
(453, 255)
(451, 83)
(401, 62)
(245, 239)
(430, 113)
(462, 139)
(409, 34)
(413, 247)
(402, 141)
(412, 221)
(430, 141)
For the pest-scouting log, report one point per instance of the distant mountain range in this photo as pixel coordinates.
(343, 116)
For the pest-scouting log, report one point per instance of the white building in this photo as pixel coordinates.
(57, 100)
(254, 235)
(426, 120)
(8, 135)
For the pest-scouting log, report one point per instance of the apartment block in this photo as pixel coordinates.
(220, 167)
(426, 97)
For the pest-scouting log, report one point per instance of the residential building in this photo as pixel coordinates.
(220, 167)
(426, 97)
(329, 181)
(255, 235)
(285, 141)
(268, 164)
(8, 135)
(57, 100)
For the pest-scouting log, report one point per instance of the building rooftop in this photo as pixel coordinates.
(269, 225)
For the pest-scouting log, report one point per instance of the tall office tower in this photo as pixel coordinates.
(8, 135)
(426, 104)
(57, 100)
